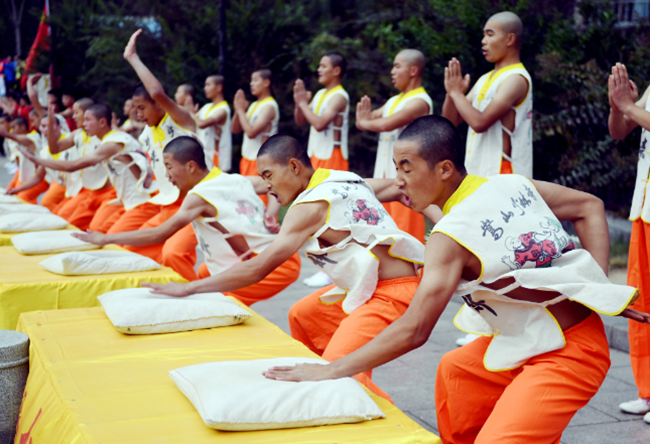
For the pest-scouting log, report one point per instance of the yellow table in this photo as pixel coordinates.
(88, 383)
(26, 286)
(5, 238)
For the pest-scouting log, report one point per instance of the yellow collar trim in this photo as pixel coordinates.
(319, 177)
(33, 132)
(159, 133)
(85, 138)
(214, 172)
(403, 97)
(215, 106)
(108, 134)
(257, 105)
(493, 76)
(325, 95)
(466, 188)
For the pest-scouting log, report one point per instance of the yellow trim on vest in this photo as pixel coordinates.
(85, 138)
(467, 331)
(251, 111)
(215, 106)
(467, 187)
(157, 132)
(492, 76)
(403, 97)
(214, 173)
(108, 134)
(318, 177)
(56, 156)
(325, 95)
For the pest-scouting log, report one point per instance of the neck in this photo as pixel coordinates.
(162, 115)
(414, 83)
(102, 132)
(510, 59)
(198, 177)
(264, 94)
(218, 98)
(336, 81)
(450, 189)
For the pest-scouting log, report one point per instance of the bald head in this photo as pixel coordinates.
(414, 58)
(510, 23)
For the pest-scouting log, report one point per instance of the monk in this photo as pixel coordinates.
(628, 112)
(259, 121)
(344, 230)
(228, 231)
(543, 352)
(499, 107)
(389, 121)
(327, 115)
(165, 120)
(213, 123)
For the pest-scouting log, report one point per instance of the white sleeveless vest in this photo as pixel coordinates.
(640, 205)
(321, 143)
(239, 210)
(130, 190)
(384, 166)
(154, 140)
(94, 177)
(59, 177)
(506, 224)
(208, 137)
(484, 151)
(250, 147)
(353, 207)
(26, 168)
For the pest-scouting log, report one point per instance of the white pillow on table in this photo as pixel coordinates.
(235, 395)
(82, 263)
(137, 311)
(24, 222)
(49, 242)
(8, 198)
(6, 208)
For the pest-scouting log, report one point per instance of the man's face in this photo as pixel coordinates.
(177, 173)
(258, 84)
(43, 127)
(210, 88)
(68, 100)
(495, 42)
(147, 111)
(91, 124)
(78, 115)
(325, 70)
(51, 99)
(17, 128)
(415, 180)
(34, 121)
(279, 180)
(5, 124)
(128, 106)
(180, 96)
(401, 72)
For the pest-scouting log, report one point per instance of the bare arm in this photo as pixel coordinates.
(335, 106)
(104, 151)
(235, 125)
(444, 263)
(19, 138)
(386, 191)
(301, 222)
(37, 178)
(625, 115)
(368, 121)
(193, 206)
(215, 119)
(33, 95)
(586, 211)
(54, 144)
(266, 115)
(179, 114)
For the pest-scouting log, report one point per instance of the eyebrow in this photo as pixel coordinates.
(403, 162)
(264, 172)
(489, 30)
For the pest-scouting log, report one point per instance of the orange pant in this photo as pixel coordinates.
(506, 167)
(54, 195)
(336, 162)
(531, 404)
(81, 210)
(178, 252)
(31, 195)
(638, 275)
(249, 168)
(61, 204)
(115, 219)
(406, 219)
(14, 181)
(332, 334)
(279, 279)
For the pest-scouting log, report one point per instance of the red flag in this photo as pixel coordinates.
(38, 58)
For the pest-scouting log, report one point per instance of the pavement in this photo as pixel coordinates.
(410, 379)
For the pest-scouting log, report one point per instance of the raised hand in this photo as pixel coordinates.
(364, 111)
(35, 78)
(92, 237)
(623, 93)
(240, 103)
(130, 50)
(300, 93)
(454, 80)
(271, 224)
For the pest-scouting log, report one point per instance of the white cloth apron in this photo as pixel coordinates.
(353, 207)
(321, 143)
(250, 147)
(94, 177)
(384, 166)
(154, 140)
(507, 225)
(484, 151)
(209, 138)
(640, 205)
(26, 168)
(239, 210)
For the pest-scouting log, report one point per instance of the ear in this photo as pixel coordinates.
(446, 168)
(414, 71)
(511, 40)
(337, 71)
(295, 166)
(267, 83)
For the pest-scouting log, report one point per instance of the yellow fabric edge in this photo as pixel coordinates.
(467, 331)
(466, 188)
(401, 97)
(614, 313)
(465, 246)
(325, 95)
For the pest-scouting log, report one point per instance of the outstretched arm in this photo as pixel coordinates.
(444, 263)
(30, 183)
(104, 151)
(33, 94)
(386, 191)
(193, 206)
(301, 222)
(179, 114)
(371, 121)
(19, 138)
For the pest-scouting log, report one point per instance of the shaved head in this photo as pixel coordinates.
(510, 24)
(414, 58)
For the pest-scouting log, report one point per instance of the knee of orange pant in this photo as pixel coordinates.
(203, 271)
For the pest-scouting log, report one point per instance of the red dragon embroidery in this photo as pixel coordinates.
(542, 253)
(246, 209)
(369, 215)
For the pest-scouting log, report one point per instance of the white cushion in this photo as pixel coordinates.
(48, 242)
(24, 222)
(6, 208)
(235, 395)
(8, 199)
(138, 312)
(81, 263)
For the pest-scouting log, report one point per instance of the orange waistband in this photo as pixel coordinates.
(396, 281)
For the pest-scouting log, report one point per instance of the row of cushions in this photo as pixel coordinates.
(25, 222)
